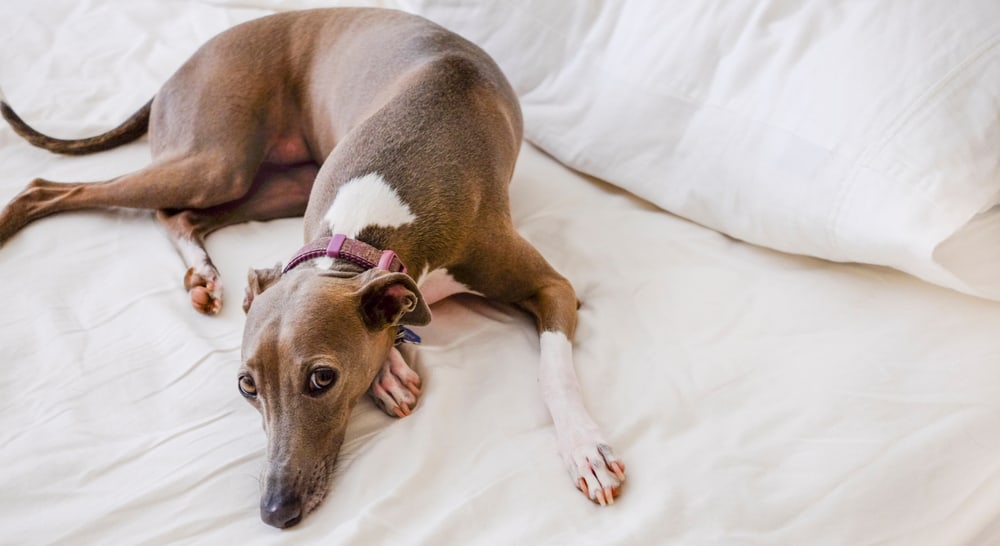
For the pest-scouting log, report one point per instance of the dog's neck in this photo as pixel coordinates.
(340, 253)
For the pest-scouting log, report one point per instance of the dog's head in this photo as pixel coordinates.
(314, 341)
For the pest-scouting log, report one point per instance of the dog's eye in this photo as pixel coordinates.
(247, 387)
(321, 379)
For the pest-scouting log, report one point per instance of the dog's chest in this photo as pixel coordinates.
(438, 284)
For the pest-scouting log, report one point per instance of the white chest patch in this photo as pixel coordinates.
(364, 201)
(439, 284)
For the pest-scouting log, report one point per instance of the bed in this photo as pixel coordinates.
(783, 232)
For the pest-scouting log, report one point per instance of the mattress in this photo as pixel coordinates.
(755, 397)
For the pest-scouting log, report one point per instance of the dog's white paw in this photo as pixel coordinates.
(596, 470)
(396, 387)
(205, 290)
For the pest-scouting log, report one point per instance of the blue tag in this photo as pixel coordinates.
(405, 335)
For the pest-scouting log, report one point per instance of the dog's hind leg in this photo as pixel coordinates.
(196, 181)
(277, 192)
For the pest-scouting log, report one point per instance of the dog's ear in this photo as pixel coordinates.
(391, 299)
(258, 280)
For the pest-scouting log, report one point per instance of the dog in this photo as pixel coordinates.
(396, 140)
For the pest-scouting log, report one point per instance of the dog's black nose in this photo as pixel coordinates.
(282, 510)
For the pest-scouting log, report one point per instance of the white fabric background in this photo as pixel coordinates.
(756, 397)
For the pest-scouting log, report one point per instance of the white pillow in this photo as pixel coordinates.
(852, 131)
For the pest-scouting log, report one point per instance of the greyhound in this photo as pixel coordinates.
(396, 140)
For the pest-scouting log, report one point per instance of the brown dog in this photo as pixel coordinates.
(386, 132)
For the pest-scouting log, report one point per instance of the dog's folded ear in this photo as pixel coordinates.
(391, 299)
(258, 280)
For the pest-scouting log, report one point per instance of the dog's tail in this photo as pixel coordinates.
(131, 129)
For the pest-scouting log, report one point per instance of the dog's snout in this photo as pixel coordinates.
(281, 510)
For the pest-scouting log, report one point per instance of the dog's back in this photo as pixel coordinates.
(432, 97)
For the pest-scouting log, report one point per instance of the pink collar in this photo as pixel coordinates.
(352, 250)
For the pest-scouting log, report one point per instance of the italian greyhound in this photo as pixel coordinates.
(396, 139)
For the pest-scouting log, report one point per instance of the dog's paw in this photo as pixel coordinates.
(24, 208)
(205, 290)
(396, 387)
(596, 470)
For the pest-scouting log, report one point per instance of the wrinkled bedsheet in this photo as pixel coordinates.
(755, 397)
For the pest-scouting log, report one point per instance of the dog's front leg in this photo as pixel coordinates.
(396, 387)
(597, 471)
(524, 278)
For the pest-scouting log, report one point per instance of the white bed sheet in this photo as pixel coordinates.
(756, 397)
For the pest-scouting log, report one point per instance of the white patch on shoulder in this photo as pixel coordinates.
(364, 201)
(439, 284)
